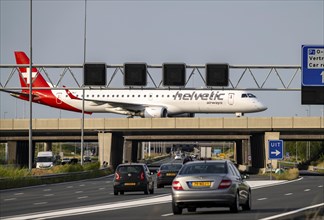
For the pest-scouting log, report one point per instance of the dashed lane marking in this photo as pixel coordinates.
(262, 199)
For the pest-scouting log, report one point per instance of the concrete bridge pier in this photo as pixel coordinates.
(260, 149)
(110, 148)
(18, 153)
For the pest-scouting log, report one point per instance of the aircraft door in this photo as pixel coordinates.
(59, 98)
(230, 98)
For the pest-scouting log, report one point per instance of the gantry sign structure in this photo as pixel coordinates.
(248, 77)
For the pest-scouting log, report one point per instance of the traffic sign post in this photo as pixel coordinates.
(275, 152)
(313, 65)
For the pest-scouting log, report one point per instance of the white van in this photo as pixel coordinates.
(45, 159)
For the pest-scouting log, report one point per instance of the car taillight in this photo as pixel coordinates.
(117, 176)
(142, 176)
(159, 173)
(176, 185)
(225, 184)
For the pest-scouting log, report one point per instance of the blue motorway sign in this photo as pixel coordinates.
(275, 149)
(313, 65)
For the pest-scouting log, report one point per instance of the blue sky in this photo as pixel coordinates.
(194, 32)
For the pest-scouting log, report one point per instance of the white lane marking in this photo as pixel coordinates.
(320, 186)
(46, 190)
(10, 199)
(49, 195)
(288, 194)
(165, 215)
(101, 188)
(18, 194)
(95, 208)
(82, 185)
(79, 192)
(292, 212)
(257, 184)
(69, 187)
(108, 181)
(40, 203)
(306, 190)
(262, 199)
(83, 197)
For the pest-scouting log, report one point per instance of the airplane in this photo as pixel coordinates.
(145, 103)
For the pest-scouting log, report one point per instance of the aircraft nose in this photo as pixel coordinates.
(262, 107)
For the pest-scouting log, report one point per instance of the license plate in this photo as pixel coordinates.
(201, 184)
(129, 184)
(171, 174)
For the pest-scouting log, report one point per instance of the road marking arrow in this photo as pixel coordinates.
(275, 152)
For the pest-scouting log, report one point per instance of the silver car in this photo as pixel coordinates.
(215, 183)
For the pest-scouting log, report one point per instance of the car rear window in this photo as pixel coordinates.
(130, 169)
(171, 167)
(204, 168)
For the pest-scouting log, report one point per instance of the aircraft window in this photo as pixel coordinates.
(113, 96)
(127, 96)
(133, 95)
(139, 96)
(244, 96)
(98, 96)
(66, 96)
(87, 95)
(123, 96)
(251, 95)
(150, 96)
(144, 96)
(168, 96)
(157, 96)
(108, 96)
(117, 96)
(92, 96)
(103, 96)
(162, 96)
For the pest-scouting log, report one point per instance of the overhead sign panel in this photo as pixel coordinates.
(313, 65)
(135, 74)
(275, 149)
(94, 74)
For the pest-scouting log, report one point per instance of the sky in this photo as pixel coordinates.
(194, 32)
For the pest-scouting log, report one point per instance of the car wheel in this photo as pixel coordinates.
(115, 192)
(146, 191)
(236, 205)
(192, 209)
(248, 204)
(176, 210)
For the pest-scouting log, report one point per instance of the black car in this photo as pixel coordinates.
(166, 173)
(132, 177)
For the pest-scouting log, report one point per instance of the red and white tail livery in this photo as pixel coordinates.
(149, 103)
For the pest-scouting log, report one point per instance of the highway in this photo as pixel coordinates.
(94, 199)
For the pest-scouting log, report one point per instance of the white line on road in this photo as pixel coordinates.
(262, 199)
(69, 187)
(165, 215)
(292, 212)
(40, 203)
(288, 194)
(46, 190)
(101, 188)
(49, 195)
(320, 186)
(79, 192)
(83, 197)
(306, 190)
(10, 199)
(18, 194)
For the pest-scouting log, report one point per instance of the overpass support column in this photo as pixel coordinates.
(270, 136)
(110, 148)
(127, 155)
(48, 146)
(12, 152)
(18, 152)
(238, 152)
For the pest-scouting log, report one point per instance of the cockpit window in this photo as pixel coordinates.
(248, 95)
(251, 95)
(244, 96)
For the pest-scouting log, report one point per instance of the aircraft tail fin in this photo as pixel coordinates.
(37, 79)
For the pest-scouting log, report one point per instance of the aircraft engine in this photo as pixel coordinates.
(155, 112)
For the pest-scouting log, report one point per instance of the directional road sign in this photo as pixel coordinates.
(313, 65)
(275, 149)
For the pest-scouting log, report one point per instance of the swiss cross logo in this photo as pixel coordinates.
(26, 75)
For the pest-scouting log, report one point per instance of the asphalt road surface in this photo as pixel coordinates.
(94, 199)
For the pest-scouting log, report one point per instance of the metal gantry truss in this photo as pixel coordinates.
(260, 77)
